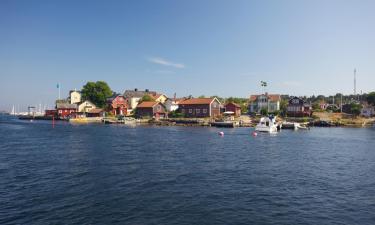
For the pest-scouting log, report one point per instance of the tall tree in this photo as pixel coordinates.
(96, 92)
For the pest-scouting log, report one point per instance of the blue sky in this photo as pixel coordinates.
(186, 47)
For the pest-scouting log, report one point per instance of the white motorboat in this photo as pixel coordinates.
(267, 124)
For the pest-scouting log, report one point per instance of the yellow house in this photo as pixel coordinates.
(86, 106)
(160, 98)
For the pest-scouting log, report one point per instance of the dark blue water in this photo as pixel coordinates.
(108, 174)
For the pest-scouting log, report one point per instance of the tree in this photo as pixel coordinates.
(146, 98)
(355, 108)
(371, 98)
(283, 107)
(96, 92)
(264, 112)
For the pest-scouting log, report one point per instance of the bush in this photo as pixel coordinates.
(264, 112)
(175, 114)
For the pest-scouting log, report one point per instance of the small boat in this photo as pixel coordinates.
(267, 124)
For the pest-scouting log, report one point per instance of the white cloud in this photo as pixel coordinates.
(164, 62)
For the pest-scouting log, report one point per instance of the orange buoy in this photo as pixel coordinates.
(255, 134)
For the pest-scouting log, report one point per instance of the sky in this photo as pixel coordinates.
(187, 47)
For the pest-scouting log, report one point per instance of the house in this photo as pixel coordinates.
(133, 96)
(117, 105)
(200, 107)
(367, 111)
(297, 107)
(74, 97)
(233, 107)
(66, 110)
(95, 113)
(86, 106)
(151, 110)
(269, 102)
(159, 98)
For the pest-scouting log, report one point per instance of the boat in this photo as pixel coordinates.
(267, 124)
(84, 120)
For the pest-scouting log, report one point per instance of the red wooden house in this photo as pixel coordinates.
(233, 107)
(66, 110)
(151, 109)
(117, 105)
(297, 107)
(200, 107)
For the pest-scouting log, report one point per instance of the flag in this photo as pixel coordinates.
(58, 85)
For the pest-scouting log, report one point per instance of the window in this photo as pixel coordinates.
(190, 110)
(159, 108)
(197, 111)
(204, 110)
(60, 111)
(182, 110)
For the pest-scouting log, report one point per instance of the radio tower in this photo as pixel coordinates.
(355, 82)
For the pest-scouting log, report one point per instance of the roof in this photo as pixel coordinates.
(90, 102)
(137, 94)
(65, 106)
(96, 110)
(110, 99)
(271, 97)
(197, 101)
(235, 104)
(146, 104)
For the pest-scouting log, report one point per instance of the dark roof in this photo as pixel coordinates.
(137, 94)
(66, 106)
(232, 103)
(96, 110)
(115, 95)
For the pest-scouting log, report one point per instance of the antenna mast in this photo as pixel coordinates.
(355, 82)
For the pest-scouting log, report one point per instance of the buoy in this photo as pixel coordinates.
(221, 133)
(255, 134)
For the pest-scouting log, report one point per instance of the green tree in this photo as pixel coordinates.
(264, 112)
(371, 98)
(96, 92)
(355, 108)
(283, 107)
(146, 98)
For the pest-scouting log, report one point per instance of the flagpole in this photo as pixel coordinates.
(58, 86)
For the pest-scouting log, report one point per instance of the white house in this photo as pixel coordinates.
(74, 97)
(367, 111)
(86, 106)
(270, 102)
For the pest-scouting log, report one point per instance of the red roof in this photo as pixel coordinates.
(271, 97)
(232, 103)
(196, 101)
(146, 104)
